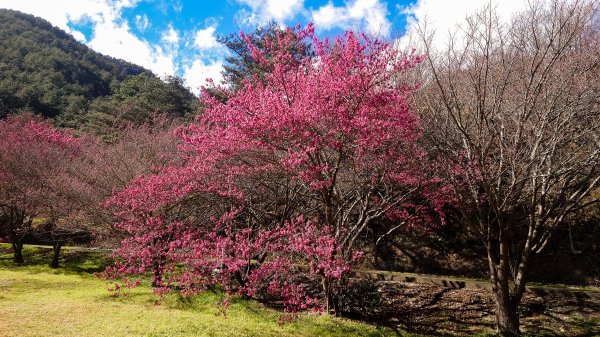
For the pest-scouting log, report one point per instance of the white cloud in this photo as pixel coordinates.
(267, 10)
(111, 35)
(117, 40)
(205, 38)
(171, 36)
(79, 36)
(59, 12)
(444, 16)
(369, 15)
(142, 22)
(197, 74)
(327, 16)
(165, 6)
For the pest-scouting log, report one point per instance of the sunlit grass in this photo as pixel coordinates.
(69, 301)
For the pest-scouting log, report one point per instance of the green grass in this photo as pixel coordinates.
(69, 301)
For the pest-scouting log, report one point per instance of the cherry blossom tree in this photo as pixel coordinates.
(33, 158)
(293, 169)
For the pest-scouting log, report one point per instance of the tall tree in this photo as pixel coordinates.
(515, 107)
(291, 169)
(242, 64)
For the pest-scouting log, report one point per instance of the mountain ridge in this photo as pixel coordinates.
(46, 71)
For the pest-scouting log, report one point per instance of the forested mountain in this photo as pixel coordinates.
(46, 71)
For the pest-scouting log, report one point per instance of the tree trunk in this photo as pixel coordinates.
(157, 278)
(331, 304)
(18, 252)
(507, 316)
(327, 295)
(56, 247)
(506, 305)
(241, 280)
(15, 235)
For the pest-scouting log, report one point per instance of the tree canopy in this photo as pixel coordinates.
(242, 65)
(301, 164)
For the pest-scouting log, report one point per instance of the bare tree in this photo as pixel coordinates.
(514, 106)
(106, 168)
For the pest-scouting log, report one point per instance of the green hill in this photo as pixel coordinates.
(46, 71)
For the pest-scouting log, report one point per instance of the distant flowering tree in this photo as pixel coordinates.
(33, 158)
(102, 168)
(294, 169)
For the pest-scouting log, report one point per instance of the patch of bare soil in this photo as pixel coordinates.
(440, 311)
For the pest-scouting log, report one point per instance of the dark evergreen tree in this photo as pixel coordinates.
(241, 65)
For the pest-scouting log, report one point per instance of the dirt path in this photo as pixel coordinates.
(459, 283)
(445, 310)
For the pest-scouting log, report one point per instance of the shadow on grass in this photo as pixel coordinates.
(395, 307)
(249, 310)
(85, 264)
(72, 262)
(439, 311)
(254, 316)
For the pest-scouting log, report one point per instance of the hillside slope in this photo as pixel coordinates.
(46, 71)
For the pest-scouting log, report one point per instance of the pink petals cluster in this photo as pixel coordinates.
(34, 157)
(289, 170)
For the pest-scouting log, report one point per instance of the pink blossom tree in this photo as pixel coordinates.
(293, 169)
(33, 159)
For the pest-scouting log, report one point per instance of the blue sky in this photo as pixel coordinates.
(178, 36)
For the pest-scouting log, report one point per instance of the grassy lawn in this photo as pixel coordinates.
(38, 301)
